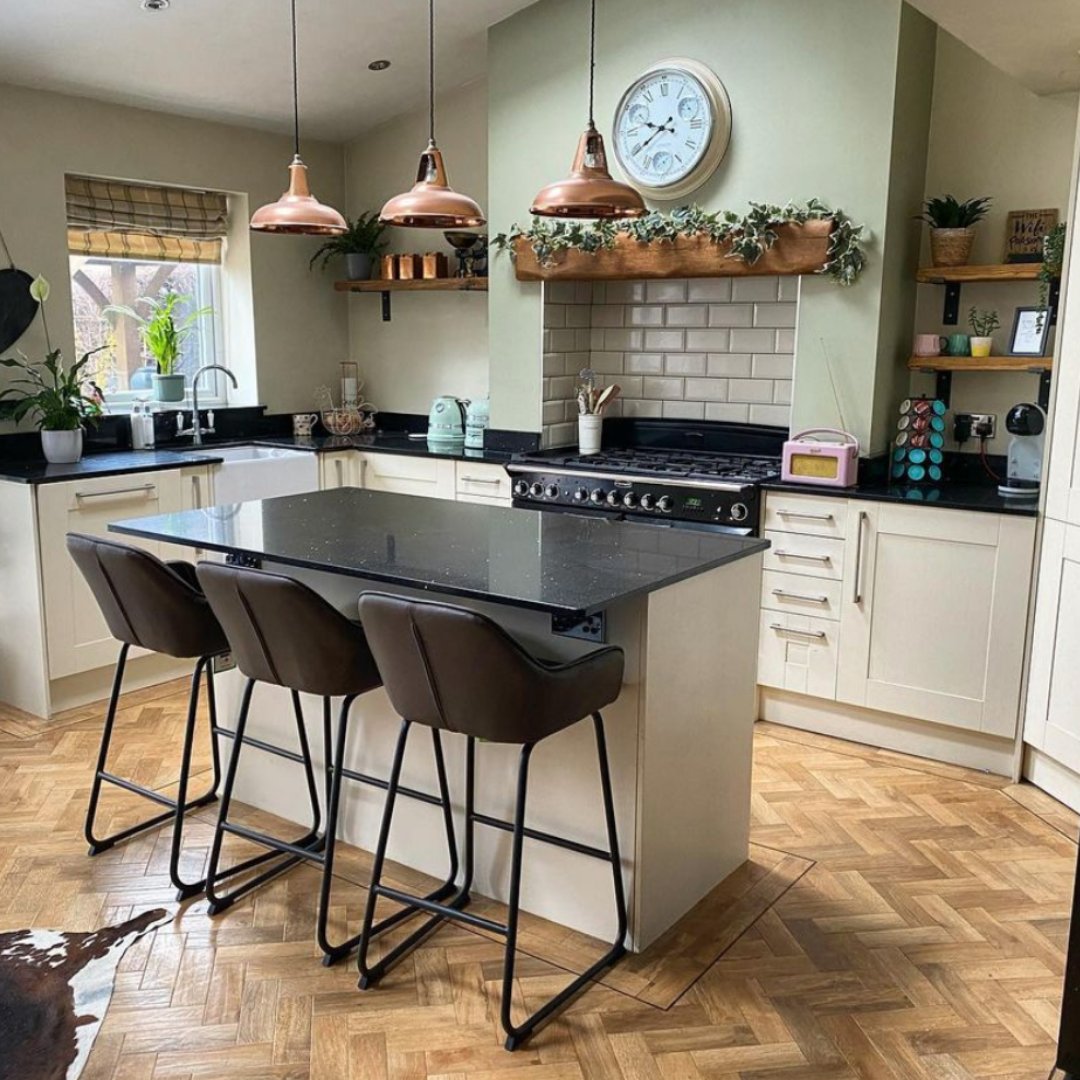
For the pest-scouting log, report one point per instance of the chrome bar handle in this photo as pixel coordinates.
(480, 480)
(804, 514)
(144, 488)
(780, 628)
(783, 594)
(856, 594)
(800, 555)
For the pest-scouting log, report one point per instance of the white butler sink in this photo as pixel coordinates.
(260, 472)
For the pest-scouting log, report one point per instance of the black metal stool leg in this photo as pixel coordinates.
(97, 845)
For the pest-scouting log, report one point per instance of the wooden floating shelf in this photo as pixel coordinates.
(452, 284)
(963, 275)
(1034, 364)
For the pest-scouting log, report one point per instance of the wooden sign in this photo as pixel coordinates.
(1024, 232)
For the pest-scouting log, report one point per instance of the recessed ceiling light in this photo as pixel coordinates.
(379, 65)
(154, 5)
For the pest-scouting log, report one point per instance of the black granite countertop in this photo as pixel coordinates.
(119, 462)
(566, 564)
(951, 495)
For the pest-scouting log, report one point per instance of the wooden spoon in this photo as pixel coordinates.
(607, 396)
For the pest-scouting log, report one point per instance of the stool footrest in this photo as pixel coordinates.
(285, 847)
(383, 785)
(447, 911)
(260, 744)
(544, 837)
(138, 789)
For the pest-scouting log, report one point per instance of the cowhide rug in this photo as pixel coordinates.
(54, 990)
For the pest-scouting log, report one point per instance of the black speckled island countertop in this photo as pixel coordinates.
(564, 564)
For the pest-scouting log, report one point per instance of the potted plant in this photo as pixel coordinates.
(53, 392)
(952, 227)
(983, 324)
(361, 244)
(163, 335)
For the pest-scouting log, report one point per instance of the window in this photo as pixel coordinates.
(128, 241)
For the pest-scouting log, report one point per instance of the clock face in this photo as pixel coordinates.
(672, 127)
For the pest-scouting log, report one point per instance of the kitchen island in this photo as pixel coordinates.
(683, 605)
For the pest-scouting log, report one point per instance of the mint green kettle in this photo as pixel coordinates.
(446, 420)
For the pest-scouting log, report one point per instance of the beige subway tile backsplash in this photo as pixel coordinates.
(663, 388)
(684, 410)
(687, 315)
(754, 341)
(645, 363)
(685, 364)
(665, 292)
(708, 340)
(664, 340)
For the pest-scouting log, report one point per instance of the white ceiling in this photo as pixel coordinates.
(230, 59)
(1037, 42)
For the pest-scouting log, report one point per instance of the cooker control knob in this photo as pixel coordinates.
(580, 495)
(551, 491)
(521, 488)
(536, 490)
(597, 495)
(647, 502)
(739, 512)
(665, 503)
(629, 500)
(613, 498)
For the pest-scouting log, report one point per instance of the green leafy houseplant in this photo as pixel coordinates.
(952, 227)
(360, 245)
(51, 393)
(162, 335)
(983, 323)
(750, 235)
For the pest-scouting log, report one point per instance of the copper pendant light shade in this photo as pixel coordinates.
(432, 203)
(298, 211)
(589, 191)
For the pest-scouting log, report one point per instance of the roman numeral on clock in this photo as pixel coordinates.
(691, 145)
(697, 122)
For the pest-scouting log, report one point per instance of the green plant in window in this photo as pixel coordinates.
(162, 329)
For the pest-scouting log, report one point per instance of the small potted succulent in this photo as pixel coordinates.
(361, 244)
(952, 227)
(163, 335)
(983, 324)
(53, 393)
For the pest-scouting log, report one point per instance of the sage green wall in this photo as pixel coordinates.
(300, 331)
(812, 88)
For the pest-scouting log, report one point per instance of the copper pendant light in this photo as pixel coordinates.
(589, 191)
(298, 211)
(432, 203)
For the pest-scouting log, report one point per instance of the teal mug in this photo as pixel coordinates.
(959, 345)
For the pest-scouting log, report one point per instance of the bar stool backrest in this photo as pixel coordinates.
(146, 602)
(282, 632)
(450, 667)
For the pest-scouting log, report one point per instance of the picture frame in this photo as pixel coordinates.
(1030, 332)
(1024, 232)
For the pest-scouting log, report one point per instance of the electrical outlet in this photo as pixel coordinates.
(983, 425)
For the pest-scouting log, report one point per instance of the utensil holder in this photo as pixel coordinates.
(590, 429)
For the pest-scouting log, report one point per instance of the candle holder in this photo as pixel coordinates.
(350, 384)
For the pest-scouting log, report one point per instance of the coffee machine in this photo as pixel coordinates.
(1027, 425)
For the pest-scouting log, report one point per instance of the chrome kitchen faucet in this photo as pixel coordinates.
(197, 431)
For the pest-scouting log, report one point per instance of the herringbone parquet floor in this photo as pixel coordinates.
(914, 924)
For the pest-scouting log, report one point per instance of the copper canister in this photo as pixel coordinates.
(435, 265)
(388, 267)
(408, 267)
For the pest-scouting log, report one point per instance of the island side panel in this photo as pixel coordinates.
(696, 752)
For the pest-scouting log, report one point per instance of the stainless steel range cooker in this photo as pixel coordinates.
(704, 475)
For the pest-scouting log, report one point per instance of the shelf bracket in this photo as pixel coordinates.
(1044, 389)
(950, 314)
(1053, 299)
(943, 386)
(385, 294)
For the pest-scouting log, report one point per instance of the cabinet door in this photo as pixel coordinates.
(798, 653)
(933, 620)
(407, 475)
(1052, 722)
(195, 493)
(342, 468)
(78, 639)
(481, 482)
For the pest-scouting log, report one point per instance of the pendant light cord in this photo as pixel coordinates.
(431, 71)
(295, 87)
(592, 60)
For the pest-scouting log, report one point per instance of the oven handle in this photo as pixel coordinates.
(656, 523)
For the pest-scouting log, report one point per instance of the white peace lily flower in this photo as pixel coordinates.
(39, 289)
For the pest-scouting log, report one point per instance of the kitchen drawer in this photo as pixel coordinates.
(808, 556)
(474, 479)
(810, 514)
(800, 595)
(798, 653)
(407, 475)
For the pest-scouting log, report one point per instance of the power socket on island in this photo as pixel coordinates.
(974, 426)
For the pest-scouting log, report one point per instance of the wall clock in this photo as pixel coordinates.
(672, 127)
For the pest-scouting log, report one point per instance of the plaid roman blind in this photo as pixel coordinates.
(116, 220)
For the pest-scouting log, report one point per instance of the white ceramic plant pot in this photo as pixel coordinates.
(589, 428)
(62, 447)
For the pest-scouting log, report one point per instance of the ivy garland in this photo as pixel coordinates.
(1053, 259)
(750, 236)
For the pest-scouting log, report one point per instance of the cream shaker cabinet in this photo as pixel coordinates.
(341, 468)
(406, 475)
(77, 637)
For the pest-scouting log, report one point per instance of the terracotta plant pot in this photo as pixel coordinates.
(168, 387)
(951, 247)
(62, 447)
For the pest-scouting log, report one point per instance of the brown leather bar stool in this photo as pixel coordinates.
(453, 669)
(158, 606)
(283, 633)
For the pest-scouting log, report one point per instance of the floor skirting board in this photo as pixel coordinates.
(1052, 777)
(921, 738)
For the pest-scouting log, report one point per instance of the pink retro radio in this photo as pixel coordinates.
(827, 462)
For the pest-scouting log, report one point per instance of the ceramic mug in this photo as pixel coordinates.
(303, 424)
(930, 344)
(959, 345)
